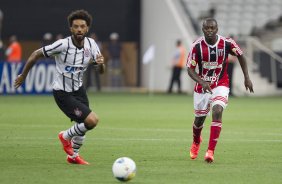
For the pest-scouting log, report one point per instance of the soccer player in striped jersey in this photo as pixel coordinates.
(209, 54)
(72, 55)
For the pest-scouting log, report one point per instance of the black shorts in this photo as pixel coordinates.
(74, 104)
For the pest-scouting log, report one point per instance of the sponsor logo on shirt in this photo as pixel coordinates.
(209, 78)
(209, 65)
(73, 69)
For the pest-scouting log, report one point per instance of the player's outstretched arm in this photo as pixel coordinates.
(30, 62)
(248, 83)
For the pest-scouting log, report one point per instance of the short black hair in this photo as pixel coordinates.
(209, 20)
(80, 14)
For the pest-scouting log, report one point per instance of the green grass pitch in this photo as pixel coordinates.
(155, 131)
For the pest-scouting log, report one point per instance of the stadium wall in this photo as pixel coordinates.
(29, 20)
(161, 25)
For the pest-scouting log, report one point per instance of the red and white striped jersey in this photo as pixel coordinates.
(212, 60)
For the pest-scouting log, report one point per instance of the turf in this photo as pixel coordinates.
(154, 130)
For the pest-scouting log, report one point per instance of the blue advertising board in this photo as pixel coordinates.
(38, 81)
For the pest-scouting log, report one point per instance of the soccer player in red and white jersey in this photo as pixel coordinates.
(210, 54)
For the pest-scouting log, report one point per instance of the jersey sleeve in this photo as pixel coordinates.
(95, 50)
(192, 59)
(53, 49)
(235, 49)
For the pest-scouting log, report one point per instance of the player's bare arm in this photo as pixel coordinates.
(196, 78)
(248, 83)
(30, 62)
(101, 67)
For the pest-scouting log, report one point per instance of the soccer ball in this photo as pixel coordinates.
(124, 169)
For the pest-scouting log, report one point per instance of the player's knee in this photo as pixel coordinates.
(217, 111)
(91, 121)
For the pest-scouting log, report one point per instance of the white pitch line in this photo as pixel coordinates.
(183, 130)
(188, 130)
(146, 129)
(142, 139)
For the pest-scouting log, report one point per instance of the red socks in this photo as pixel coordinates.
(214, 134)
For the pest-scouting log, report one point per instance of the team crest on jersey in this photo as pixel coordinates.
(77, 112)
(86, 52)
(220, 52)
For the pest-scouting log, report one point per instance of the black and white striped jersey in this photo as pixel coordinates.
(71, 62)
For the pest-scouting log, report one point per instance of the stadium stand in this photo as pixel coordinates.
(236, 17)
(258, 26)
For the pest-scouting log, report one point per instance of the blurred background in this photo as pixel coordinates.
(141, 35)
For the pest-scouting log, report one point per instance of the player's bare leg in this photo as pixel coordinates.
(91, 120)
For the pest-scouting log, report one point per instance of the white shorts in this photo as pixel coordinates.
(203, 101)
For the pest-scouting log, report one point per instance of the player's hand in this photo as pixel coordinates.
(19, 81)
(249, 85)
(99, 59)
(206, 87)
